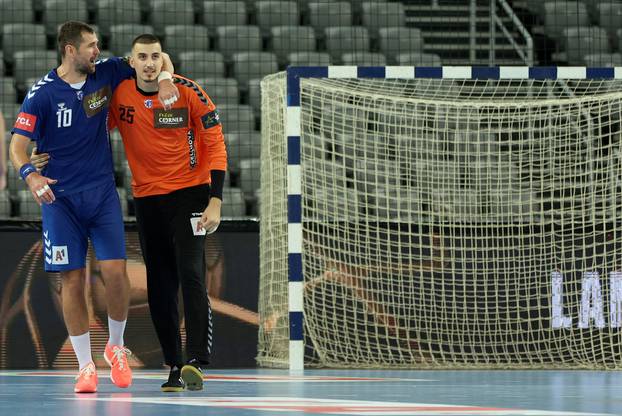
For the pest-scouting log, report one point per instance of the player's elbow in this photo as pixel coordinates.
(17, 149)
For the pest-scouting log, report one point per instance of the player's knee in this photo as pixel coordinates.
(74, 280)
(113, 271)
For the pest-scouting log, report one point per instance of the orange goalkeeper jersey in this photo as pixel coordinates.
(171, 149)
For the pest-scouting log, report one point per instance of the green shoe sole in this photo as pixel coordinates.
(172, 389)
(192, 377)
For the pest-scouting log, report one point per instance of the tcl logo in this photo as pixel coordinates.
(26, 122)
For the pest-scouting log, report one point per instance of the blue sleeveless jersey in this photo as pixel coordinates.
(71, 125)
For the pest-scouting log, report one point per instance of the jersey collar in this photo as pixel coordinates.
(145, 93)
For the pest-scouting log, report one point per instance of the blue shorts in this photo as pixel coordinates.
(70, 221)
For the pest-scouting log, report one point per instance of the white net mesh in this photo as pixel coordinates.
(447, 223)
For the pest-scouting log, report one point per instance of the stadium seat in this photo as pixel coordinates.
(123, 199)
(250, 175)
(13, 181)
(326, 14)
(127, 178)
(251, 65)
(15, 11)
(22, 36)
(303, 8)
(183, 38)
(288, 39)
(28, 207)
(254, 96)
(116, 12)
(121, 37)
(276, 13)
(234, 39)
(580, 41)
(559, 15)
(7, 138)
(104, 54)
(364, 59)
(603, 60)
(10, 112)
(223, 13)
(340, 40)
(419, 59)
(196, 64)
(396, 40)
(308, 59)
(57, 12)
(339, 119)
(357, 8)
(171, 12)
(33, 64)
(145, 6)
(2, 69)
(610, 19)
(118, 152)
(5, 204)
(236, 118)
(222, 91)
(233, 202)
(378, 15)
(8, 95)
(242, 145)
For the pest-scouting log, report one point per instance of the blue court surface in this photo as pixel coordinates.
(328, 392)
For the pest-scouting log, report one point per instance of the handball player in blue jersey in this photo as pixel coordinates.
(65, 114)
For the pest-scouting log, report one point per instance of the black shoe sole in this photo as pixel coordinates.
(192, 377)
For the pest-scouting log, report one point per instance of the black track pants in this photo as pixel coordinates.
(173, 254)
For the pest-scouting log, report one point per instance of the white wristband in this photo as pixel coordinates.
(164, 75)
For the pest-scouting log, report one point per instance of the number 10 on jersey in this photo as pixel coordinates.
(63, 116)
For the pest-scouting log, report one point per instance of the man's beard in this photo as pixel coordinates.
(85, 69)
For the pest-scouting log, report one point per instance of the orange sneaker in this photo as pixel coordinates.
(86, 381)
(120, 371)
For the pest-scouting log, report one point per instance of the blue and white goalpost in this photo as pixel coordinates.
(426, 210)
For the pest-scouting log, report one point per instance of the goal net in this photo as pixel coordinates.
(446, 223)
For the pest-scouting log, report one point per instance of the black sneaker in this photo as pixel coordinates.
(175, 383)
(192, 375)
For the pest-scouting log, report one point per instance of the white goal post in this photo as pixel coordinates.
(450, 217)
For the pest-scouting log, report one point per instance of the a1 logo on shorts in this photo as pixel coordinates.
(60, 255)
(196, 229)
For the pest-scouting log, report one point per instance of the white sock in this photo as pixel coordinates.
(82, 347)
(116, 329)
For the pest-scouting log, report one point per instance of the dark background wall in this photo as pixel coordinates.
(32, 332)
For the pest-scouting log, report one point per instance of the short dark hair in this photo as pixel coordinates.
(146, 39)
(70, 33)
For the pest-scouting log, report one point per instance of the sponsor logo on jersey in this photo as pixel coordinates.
(95, 102)
(211, 119)
(170, 119)
(26, 122)
(192, 153)
(148, 103)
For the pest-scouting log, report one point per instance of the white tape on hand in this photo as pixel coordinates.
(40, 192)
(170, 101)
(164, 75)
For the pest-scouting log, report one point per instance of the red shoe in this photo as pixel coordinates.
(86, 381)
(120, 371)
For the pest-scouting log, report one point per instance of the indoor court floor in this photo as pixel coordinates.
(259, 392)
